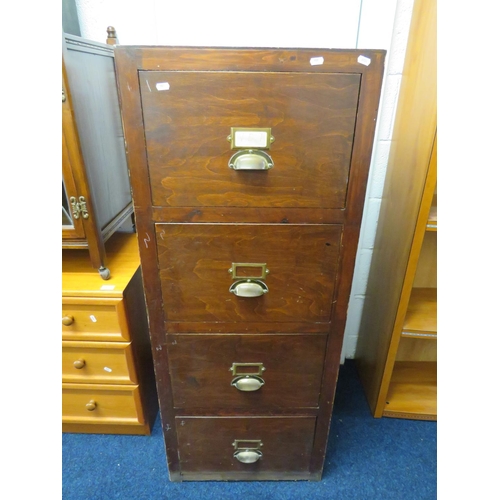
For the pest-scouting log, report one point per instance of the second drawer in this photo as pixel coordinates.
(98, 362)
(246, 371)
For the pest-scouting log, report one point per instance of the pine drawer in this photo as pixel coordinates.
(94, 319)
(98, 362)
(101, 404)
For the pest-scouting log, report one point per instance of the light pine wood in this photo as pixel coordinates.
(432, 220)
(94, 319)
(413, 391)
(98, 362)
(407, 197)
(114, 404)
(421, 313)
(106, 348)
(414, 348)
(426, 273)
(79, 279)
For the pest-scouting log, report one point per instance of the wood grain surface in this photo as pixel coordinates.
(206, 444)
(194, 260)
(200, 368)
(195, 217)
(312, 117)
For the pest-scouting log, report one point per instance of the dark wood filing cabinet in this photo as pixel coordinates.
(248, 170)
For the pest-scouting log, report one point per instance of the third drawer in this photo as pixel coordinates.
(246, 371)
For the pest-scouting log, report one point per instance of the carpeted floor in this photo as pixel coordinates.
(367, 459)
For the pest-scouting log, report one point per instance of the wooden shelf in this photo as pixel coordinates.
(421, 315)
(413, 391)
(432, 219)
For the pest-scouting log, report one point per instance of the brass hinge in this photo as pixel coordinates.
(79, 207)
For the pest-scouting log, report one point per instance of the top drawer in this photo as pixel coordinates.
(188, 116)
(94, 319)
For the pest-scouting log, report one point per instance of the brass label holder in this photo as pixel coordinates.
(264, 271)
(247, 444)
(244, 137)
(236, 367)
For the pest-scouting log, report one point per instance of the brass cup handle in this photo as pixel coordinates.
(247, 456)
(249, 159)
(248, 383)
(68, 320)
(79, 363)
(249, 288)
(91, 405)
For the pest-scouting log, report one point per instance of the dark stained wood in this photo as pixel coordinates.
(73, 161)
(201, 376)
(245, 327)
(206, 444)
(254, 59)
(93, 159)
(248, 412)
(187, 127)
(199, 227)
(276, 215)
(194, 260)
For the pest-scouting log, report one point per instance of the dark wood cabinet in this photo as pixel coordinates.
(96, 197)
(248, 170)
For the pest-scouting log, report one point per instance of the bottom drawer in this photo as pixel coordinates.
(101, 404)
(250, 445)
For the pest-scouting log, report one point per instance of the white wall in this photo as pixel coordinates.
(364, 24)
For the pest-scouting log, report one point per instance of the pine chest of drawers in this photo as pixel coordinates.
(107, 368)
(248, 170)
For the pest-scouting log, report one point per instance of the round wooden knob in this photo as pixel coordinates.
(91, 405)
(68, 320)
(79, 364)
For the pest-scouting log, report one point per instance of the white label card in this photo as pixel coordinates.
(250, 139)
(162, 86)
(316, 61)
(364, 60)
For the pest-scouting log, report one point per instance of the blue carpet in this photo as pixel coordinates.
(367, 459)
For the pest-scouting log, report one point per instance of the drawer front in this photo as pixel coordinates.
(194, 260)
(90, 319)
(208, 444)
(98, 362)
(188, 117)
(101, 404)
(227, 371)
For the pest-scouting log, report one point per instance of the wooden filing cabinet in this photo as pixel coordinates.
(248, 170)
(107, 368)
